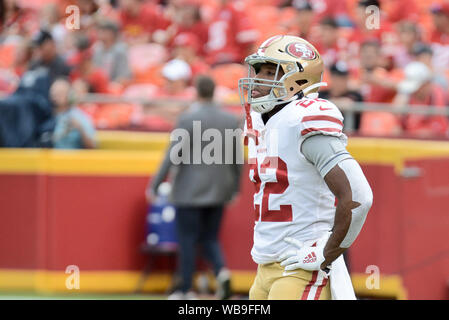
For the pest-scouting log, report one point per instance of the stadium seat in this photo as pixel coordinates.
(140, 90)
(145, 62)
(114, 115)
(228, 75)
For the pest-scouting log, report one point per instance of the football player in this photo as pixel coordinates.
(311, 197)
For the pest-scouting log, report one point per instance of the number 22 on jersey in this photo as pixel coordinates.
(284, 213)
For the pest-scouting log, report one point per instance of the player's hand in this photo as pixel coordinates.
(306, 258)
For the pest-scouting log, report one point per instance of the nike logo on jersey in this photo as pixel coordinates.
(285, 273)
(324, 109)
(311, 258)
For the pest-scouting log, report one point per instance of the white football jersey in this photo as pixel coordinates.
(291, 198)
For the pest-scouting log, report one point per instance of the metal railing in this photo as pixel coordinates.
(349, 110)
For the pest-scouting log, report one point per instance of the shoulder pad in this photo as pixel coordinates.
(320, 117)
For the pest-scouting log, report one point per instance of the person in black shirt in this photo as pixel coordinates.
(48, 57)
(340, 93)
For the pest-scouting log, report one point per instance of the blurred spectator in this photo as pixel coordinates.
(439, 37)
(84, 70)
(140, 19)
(417, 88)
(423, 53)
(303, 21)
(186, 46)
(73, 129)
(16, 22)
(186, 18)
(335, 9)
(177, 75)
(110, 54)
(403, 10)
(409, 36)
(231, 34)
(51, 21)
(340, 93)
(198, 198)
(377, 84)
(47, 56)
(330, 46)
(365, 30)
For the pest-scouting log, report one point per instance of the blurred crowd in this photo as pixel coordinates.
(154, 49)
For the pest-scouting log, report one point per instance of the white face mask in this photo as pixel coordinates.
(268, 102)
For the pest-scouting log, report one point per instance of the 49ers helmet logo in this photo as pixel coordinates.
(301, 51)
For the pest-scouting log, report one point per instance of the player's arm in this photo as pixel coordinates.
(346, 180)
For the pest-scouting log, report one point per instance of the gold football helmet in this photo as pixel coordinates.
(302, 66)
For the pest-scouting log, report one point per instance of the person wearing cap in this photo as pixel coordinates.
(331, 47)
(417, 88)
(303, 20)
(201, 188)
(440, 15)
(176, 89)
(423, 52)
(339, 92)
(110, 54)
(47, 56)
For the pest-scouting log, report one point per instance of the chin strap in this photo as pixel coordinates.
(314, 86)
(250, 132)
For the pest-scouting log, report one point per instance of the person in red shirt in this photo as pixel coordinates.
(303, 21)
(185, 18)
(370, 26)
(403, 10)
(377, 84)
(230, 34)
(140, 19)
(186, 46)
(16, 20)
(85, 71)
(418, 89)
(330, 45)
(439, 37)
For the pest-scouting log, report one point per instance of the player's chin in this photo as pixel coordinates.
(257, 94)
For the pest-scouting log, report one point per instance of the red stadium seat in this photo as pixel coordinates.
(228, 75)
(7, 53)
(145, 61)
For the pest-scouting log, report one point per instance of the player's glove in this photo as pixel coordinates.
(306, 258)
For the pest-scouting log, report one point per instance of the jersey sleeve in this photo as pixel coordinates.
(320, 117)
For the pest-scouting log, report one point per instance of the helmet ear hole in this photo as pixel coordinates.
(301, 82)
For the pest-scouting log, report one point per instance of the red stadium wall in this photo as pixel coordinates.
(53, 217)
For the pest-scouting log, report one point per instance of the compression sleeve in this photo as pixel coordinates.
(324, 152)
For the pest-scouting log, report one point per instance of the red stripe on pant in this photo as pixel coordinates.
(318, 290)
(309, 285)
